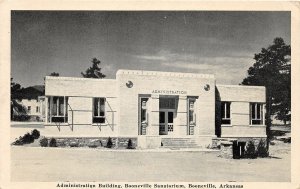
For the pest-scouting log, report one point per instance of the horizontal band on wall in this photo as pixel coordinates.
(217, 101)
(156, 111)
(243, 125)
(79, 110)
(83, 96)
(68, 125)
(247, 136)
(240, 114)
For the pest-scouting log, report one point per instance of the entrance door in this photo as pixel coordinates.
(166, 118)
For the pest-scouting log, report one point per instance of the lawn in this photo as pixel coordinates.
(84, 164)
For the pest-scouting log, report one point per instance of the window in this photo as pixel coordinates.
(256, 110)
(191, 103)
(99, 110)
(37, 109)
(29, 109)
(144, 109)
(58, 109)
(167, 103)
(225, 113)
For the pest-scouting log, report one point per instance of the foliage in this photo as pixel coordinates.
(130, 145)
(262, 149)
(250, 151)
(272, 69)
(22, 117)
(74, 144)
(52, 142)
(27, 138)
(16, 108)
(44, 142)
(94, 71)
(54, 74)
(109, 143)
(35, 133)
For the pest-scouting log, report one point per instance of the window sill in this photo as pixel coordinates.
(257, 125)
(56, 124)
(223, 125)
(99, 124)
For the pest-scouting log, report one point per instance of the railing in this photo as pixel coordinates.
(72, 113)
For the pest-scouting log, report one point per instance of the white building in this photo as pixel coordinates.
(153, 107)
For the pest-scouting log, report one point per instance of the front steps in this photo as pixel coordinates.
(175, 143)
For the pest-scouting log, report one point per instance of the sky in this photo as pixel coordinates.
(214, 42)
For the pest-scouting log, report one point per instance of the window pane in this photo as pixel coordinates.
(102, 106)
(227, 110)
(191, 116)
(98, 120)
(61, 106)
(256, 122)
(170, 117)
(66, 107)
(143, 115)
(258, 111)
(54, 106)
(253, 111)
(161, 117)
(226, 121)
(222, 109)
(96, 101)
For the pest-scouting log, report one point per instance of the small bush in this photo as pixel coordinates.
(262, 150)
(35, 133)
(109, 143)
(18, 142)
(130, 145)
(44, 142)
(74, 144)
(27, 138)
(52, 142)
(21, 117)
(250, 151)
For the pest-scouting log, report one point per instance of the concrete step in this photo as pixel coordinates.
(179, 143)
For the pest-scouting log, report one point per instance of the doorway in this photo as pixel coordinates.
(166, 119)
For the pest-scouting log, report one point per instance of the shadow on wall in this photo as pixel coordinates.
(218, 114)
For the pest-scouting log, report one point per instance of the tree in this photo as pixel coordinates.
(272, 69)
(54, 74)
(15, 96)
(94, 71)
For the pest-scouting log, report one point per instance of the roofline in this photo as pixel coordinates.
(76, 78)
(159, 73)
(241, 86)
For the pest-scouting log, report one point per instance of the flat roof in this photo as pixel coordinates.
(241, 86)
(159, 73)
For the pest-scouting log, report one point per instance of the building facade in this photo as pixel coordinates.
(152, 107)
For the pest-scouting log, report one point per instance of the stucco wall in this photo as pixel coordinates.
(240, 98)
(80, 92)
(144, 82)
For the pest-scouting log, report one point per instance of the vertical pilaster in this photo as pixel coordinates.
(153, 127)
(180, 122)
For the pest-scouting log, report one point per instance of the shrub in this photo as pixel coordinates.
(262, 150)
(27, 138)
(109, 143)
(21, 117)
(18, 141)
(52, 142)
(250, 151)
(44, 142)
(35, 133)
(130, 145)
(74, 144)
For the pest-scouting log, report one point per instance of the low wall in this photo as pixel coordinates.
(117, 142)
